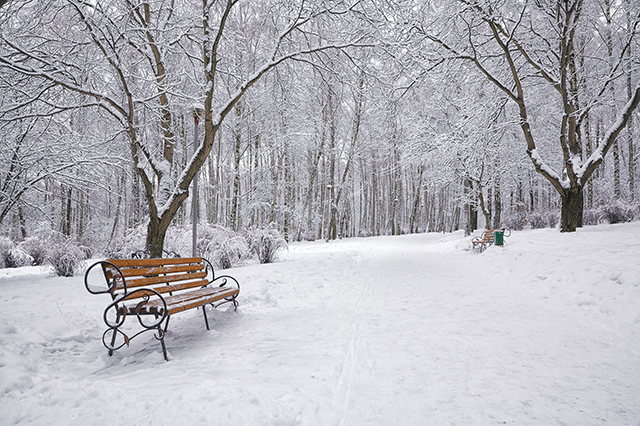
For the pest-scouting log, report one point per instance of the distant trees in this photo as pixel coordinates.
(324, 119)
(145, 63)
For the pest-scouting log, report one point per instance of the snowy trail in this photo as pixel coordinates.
(410, 330)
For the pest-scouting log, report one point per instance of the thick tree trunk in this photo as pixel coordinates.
(156, 233)
(571, 211)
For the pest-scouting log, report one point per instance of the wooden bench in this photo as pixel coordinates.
(487, 238)
(151, 291)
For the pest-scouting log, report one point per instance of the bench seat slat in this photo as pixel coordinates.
(210, 295)
(184, 301)
(133, 263)
(170, 288)
(163, 279)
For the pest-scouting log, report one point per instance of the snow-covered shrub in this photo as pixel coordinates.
(88, 252)
(222, 246)
(230, 253)
(36, 248)
(553, 218)
(266, 243)
(543, 219)
(133, 240)
(211, 238)
(180, 240)
(66, 256)
(617, 212)
(516, 219)
(590, 217)
(308, 235)
(364, 233)
(18, 258)
(537, 220)
(6, 245)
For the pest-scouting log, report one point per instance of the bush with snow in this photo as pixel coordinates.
(611, 212)
(590, 217)
(516, 219)
(544, 219)
(6, 245)
(66, 256)
(537, 220)
(553, 219)
(18, 258)
(36, 248)
(230, 253)
(618, 212)
(223, 247)
(266, 243)
(12, 256)
(133, 241)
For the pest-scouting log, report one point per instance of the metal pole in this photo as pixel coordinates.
(194, 195)
(329, 212)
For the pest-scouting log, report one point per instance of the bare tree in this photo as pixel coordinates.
(139, 52)
(507, 44)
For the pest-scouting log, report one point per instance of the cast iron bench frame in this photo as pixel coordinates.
(159, 288)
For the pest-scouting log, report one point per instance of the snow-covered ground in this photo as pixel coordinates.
(410, 330)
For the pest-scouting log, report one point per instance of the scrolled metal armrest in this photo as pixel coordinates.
(112, 285)
(225, 279)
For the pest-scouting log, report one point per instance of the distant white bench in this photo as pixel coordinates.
(157, 288)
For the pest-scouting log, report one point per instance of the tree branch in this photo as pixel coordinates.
(592, 163)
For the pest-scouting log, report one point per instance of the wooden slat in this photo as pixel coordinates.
(157, 270)
(194, 304)
(217, 293)
(132, 263)
(164, 279)
(169, 288)
(184, 301)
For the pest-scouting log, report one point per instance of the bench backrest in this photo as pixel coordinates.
(489, 234)
(162, 275)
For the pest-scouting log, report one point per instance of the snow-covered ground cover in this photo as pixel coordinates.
(410, 330)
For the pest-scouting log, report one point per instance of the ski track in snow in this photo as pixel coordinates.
(408, 330)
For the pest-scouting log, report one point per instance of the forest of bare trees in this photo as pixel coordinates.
(321, 119)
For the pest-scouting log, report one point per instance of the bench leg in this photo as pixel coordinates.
(164, 347)
(206, 320)
(113, 336)
(166, 325)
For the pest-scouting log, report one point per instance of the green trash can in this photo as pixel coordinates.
(498, 237)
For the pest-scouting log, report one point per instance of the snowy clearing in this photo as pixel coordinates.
(410, 330)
